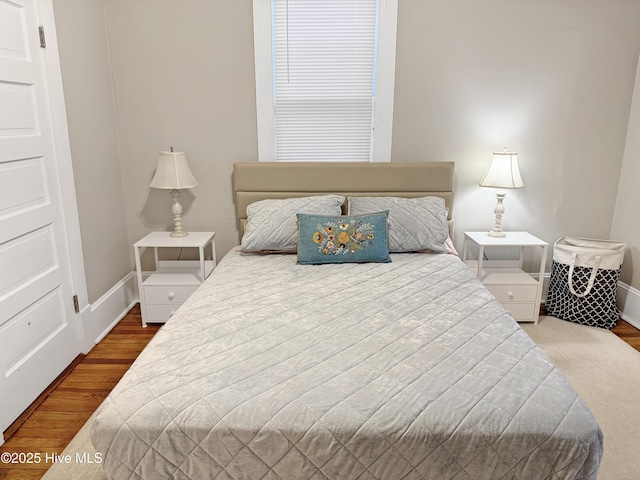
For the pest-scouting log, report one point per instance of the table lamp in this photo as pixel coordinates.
(173, 174)
(503, 173)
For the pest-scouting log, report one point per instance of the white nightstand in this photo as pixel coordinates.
(518, 291)
(173, 280)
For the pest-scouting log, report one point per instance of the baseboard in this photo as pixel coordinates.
(106, 312)
(629, 304)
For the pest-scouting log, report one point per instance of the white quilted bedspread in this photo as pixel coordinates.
(404, 370)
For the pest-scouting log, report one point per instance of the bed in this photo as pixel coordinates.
(403, 367)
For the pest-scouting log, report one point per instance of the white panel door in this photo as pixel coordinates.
(39, 334)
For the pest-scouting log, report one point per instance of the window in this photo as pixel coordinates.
(324, 79)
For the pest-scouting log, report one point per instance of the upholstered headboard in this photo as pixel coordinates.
(253, 181)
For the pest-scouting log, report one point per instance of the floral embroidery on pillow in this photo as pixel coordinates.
(342, 238)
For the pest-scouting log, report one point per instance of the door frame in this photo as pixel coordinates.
(62, 148)
(63, 162)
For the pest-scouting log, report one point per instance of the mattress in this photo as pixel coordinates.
(404, 370)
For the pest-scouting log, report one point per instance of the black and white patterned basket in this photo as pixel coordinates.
(584, 279)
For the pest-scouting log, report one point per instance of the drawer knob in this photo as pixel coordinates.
(510, 295)
(172, 312)
(171, 296)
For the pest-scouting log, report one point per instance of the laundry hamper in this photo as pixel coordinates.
(584, 279)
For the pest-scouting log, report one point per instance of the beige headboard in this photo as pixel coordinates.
(253, 181)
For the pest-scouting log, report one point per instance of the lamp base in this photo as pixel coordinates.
(176, 209)
(499, 210)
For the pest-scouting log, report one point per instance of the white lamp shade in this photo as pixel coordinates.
(173, 172)
(503, 172)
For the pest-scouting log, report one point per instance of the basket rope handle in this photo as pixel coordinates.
(592, 277)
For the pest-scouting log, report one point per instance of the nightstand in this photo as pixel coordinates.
(172, 281)
(518, 291)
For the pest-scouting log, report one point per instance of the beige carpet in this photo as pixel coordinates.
(606, 373)
(600, 366)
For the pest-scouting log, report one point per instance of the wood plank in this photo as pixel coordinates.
(628, 333)
(98, 368)
(24, 473)
(92, 378)
(28, 444)
(51, 432)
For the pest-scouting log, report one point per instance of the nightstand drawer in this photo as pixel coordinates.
(172, 294)
(514, 293)
(160, 313)
(527, 312)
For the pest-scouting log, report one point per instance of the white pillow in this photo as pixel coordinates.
(272, 224)
(415, 224)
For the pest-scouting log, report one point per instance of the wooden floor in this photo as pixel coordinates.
(62, 413)
(628, 333)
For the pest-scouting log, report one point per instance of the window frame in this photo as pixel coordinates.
(385, 80)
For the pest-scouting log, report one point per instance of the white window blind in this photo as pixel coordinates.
(324, 61)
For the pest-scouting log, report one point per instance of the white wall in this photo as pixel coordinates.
(184, 77)
(91, 116)
(626, 226)
(552, 79)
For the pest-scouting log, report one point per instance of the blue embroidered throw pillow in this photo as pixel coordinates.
(342, 239)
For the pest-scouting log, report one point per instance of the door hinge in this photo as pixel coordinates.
(43, 42)
(76, 305)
